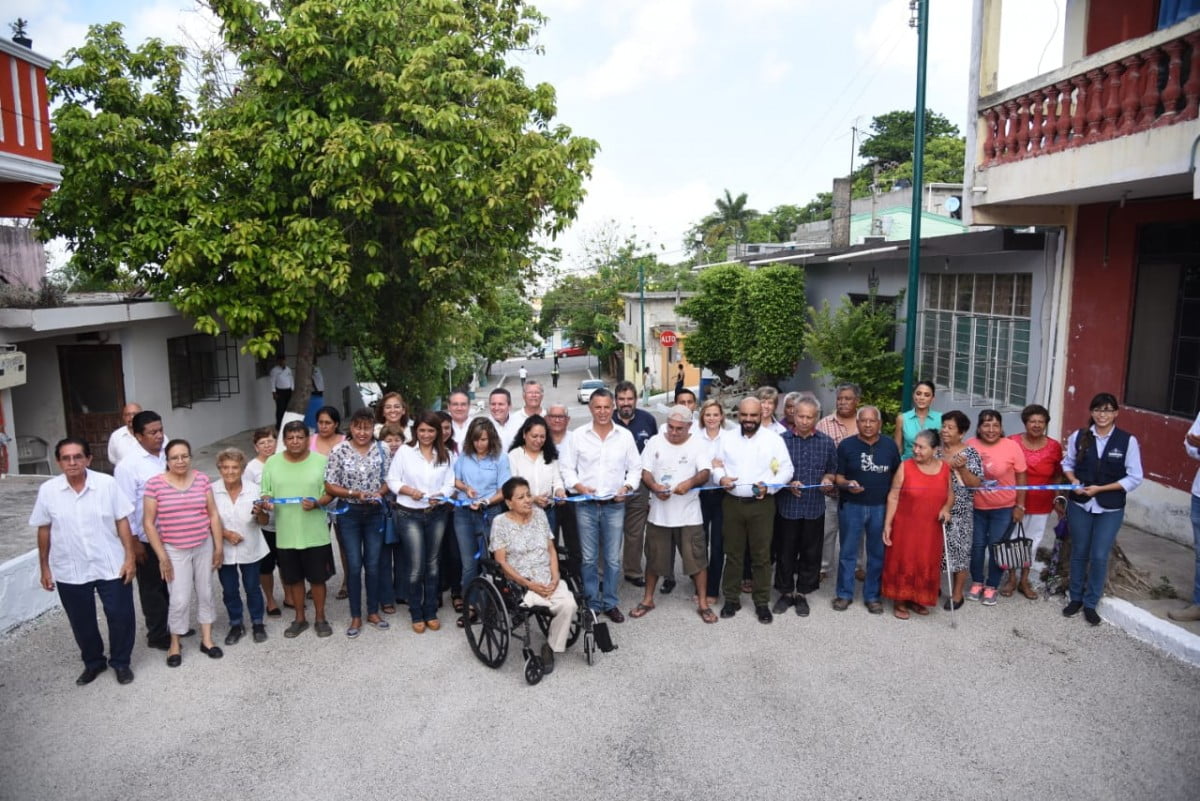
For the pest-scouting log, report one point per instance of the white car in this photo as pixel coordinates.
(587, 387)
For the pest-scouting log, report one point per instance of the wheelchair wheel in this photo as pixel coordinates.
(533, 670)
(576, 624)
(488, 631)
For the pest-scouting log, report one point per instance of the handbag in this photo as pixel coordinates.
(1012, 551)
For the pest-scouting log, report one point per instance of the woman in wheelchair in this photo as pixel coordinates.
(523, 546)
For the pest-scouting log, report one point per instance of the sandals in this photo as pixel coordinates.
(919, 609)
(462, 619)
(387, 609)
(900, 612)
(707, 615)
(342, 594)
(641, 610)
(457, 602)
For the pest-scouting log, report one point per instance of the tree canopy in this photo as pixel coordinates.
(380, 167)
(891, 136)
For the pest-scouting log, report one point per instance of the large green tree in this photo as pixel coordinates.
(769, 335)
(716, 311)
(380, 167)
(119, 113)
(891, 136)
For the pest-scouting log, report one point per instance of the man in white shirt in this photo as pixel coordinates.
(756, 463)
(85, 549)
(601, 461)
(674, 466)
(282, 384)
(523, 373)
(132, 474)
(459, 406)
(121, 442)
(532, 394)
(500, 413)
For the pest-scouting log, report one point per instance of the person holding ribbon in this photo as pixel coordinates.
(293, 485)
(966, 473)
(478, 474)
(422, 476)
(1043, 460)
(1003, 467)
(1107, 462)
(355, 474)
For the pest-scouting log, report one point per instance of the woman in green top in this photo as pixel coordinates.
(297, 476)
(917, 419)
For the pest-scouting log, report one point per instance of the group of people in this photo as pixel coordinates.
(413, 505)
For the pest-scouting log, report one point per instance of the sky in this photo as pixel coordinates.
(688, 98)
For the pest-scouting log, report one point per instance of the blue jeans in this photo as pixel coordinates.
(421, 534)
(361, 529)
(79, 602)
(472, 529)
(393, 570)
(990, 525)
(853, 520)
(1196, 545)
(601, 535)
(1092, 538)
(233, 597)
(714, 523)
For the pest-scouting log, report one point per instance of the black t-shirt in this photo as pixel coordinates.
(872, 466)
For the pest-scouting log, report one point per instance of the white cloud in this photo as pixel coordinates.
(773, 68)
(658, 46)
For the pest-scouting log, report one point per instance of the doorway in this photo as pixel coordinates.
(93, 390)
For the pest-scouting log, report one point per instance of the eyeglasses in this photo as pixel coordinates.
(179, 458)
(72, 457)
(1104, 410)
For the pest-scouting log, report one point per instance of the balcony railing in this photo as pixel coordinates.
(1152, 87)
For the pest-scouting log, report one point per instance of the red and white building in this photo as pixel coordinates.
(1104, 149)
(28, 173)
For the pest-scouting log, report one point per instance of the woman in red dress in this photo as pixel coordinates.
(918, 504)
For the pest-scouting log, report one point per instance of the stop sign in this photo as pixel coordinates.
(668, 339)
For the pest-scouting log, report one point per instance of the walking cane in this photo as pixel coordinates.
(949, 575)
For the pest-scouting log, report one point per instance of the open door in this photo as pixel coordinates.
(93, 390)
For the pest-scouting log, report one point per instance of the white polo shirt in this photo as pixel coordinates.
(84, 545)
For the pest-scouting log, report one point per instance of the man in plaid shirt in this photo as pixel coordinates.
(802, 511)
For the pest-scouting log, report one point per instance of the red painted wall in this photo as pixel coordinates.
(1100, 323)
(1111, 22)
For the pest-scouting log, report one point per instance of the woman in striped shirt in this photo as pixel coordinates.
(184, 528)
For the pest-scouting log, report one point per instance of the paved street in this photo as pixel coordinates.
(1015, 702)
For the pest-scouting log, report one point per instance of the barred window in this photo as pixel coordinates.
(974, 335)
(202, 368)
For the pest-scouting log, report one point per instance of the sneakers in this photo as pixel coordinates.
(976, 592)
(989, 596)
(1186, 615)
(1072, 609)
(1091, 616)
(782, 604)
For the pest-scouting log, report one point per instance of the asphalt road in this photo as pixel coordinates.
(1016, 702)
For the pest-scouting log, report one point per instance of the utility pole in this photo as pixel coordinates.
(853, 145)
(642, 293)
(921, 23)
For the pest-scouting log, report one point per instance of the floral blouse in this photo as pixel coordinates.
(349, 469)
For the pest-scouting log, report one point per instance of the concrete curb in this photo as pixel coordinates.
(1145, 626)
(21, 595)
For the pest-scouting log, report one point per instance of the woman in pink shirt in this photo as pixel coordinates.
(184, 529)
(1043, 460)
(1004, 466)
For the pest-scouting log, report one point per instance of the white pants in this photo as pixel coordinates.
(562, 606)
(1035, 529)
(193, 573)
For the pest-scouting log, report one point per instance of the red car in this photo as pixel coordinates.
(573, 350)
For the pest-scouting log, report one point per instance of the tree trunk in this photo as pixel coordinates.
(306, 340)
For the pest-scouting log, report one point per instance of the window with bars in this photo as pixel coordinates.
(202, 368)
(974, 335)
(1164, 348)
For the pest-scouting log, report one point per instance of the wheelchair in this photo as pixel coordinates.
(495, 615)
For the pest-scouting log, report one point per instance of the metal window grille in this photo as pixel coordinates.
(202, 369)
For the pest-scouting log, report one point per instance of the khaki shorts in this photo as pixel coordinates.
(692, 548)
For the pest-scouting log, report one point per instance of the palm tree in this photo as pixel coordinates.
(732, 217)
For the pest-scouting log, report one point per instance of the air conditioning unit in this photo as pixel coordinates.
(12, 369)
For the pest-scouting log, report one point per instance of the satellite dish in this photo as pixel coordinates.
(953, 204)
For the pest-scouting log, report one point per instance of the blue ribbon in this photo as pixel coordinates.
(994, 486)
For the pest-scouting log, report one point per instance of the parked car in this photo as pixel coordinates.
(537, 353)
(571, 350)
(587, 387)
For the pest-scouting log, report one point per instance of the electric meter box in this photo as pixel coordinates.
(12, 369)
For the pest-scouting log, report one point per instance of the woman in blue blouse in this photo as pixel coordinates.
(917, 419)
(479, 473)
